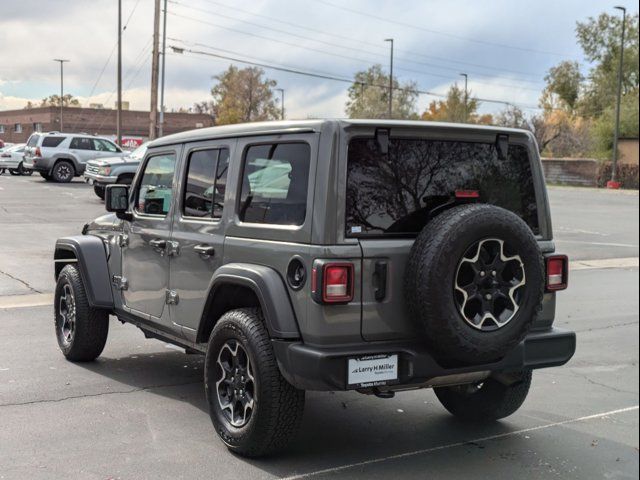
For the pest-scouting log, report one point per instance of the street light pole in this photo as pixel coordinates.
(466, 97)
(164, 57)
(281, 90)
(616, 133)
(62, 62)
(119, 75)
(390, 40)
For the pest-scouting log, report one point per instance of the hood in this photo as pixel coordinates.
(103, 162)
(108, 222)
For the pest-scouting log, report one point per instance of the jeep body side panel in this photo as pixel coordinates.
(270, 289)
(91, 256)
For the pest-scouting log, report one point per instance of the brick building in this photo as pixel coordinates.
(17, 125)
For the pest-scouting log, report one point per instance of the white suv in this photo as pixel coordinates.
(62, 156)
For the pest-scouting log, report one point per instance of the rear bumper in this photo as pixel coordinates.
(311, 368)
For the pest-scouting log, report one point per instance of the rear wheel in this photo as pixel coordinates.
(80, 329)
(25, 171)
(254, 410)
(485, 401)
(15, 171)
(63, 172)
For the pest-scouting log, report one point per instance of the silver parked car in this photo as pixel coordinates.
(11, 159)
(104, 171)
(62, 156)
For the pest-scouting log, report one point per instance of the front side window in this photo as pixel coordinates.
(206, 183)
(396, 193)
(155, 190)
(82, 143)
(274, 184)
(104, 146)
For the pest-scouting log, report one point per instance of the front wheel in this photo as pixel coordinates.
(486, 401)
(98, 190)
(25, 171)
(254, 410)
(80, 329)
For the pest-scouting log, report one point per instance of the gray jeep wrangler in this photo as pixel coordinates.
(373, 256)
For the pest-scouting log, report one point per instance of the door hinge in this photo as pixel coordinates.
(123, 240)
(120, 282)
(171, 297)
(173, 249)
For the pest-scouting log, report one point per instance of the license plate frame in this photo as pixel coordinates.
(369, 371)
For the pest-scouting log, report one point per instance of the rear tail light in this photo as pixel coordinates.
(557, 272)
(38, 152)
(332, 282)
(467, 194)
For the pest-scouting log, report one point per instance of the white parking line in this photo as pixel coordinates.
(458, 444)
(629, 262)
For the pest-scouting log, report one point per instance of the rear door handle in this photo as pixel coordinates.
(205, 251)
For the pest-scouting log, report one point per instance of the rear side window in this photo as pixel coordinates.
(206, 183)
(275, 178)
(82, 143)
(396, 193)
(103, 145)
(51, 141)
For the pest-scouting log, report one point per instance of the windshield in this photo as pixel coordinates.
(139, 152)
(396, 193)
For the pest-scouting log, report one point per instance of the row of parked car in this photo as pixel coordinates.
(59, 157)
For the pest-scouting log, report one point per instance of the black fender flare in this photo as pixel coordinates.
(271, 291)
(90, 254)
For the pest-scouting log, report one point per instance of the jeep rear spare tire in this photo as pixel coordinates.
(474, 281)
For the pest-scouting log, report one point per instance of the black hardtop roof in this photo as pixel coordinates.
(303, 126)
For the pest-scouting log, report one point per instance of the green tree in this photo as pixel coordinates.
(243, 95)
(600, 40)
(453, 108)
(369, 96)
(602, 132)
(564, 82)
(68, 100)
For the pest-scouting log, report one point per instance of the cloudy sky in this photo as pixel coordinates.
(505, 46)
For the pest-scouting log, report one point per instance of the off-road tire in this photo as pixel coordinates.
(279, 406)
(492, 401)
(430, 278)
(99, 191)
(63, 171)
(91, 324)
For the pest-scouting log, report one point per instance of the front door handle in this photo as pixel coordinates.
(205, 251)
(158, 244)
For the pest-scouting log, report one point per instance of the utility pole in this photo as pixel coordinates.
(281, 90)
(164, 59)
(390, 78)
(153, 114)
(62, 62)
(466, 97)
(119, 74)
(614, 164)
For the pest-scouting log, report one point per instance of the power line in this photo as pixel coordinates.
(361, 42)
(297, 71)
(436, 32)
(334, 54)
(336, 45)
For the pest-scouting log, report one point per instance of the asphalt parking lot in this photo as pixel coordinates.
(139, 411)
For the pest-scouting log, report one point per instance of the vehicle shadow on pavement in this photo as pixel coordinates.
(338, 427)
(171, 374)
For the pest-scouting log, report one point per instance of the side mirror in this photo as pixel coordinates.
(116, 199)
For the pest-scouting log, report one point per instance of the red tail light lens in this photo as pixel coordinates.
(332, 282)
(467, 194)
(557, 272)
(38, 152)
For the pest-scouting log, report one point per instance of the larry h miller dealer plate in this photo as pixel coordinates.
(372, 371)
